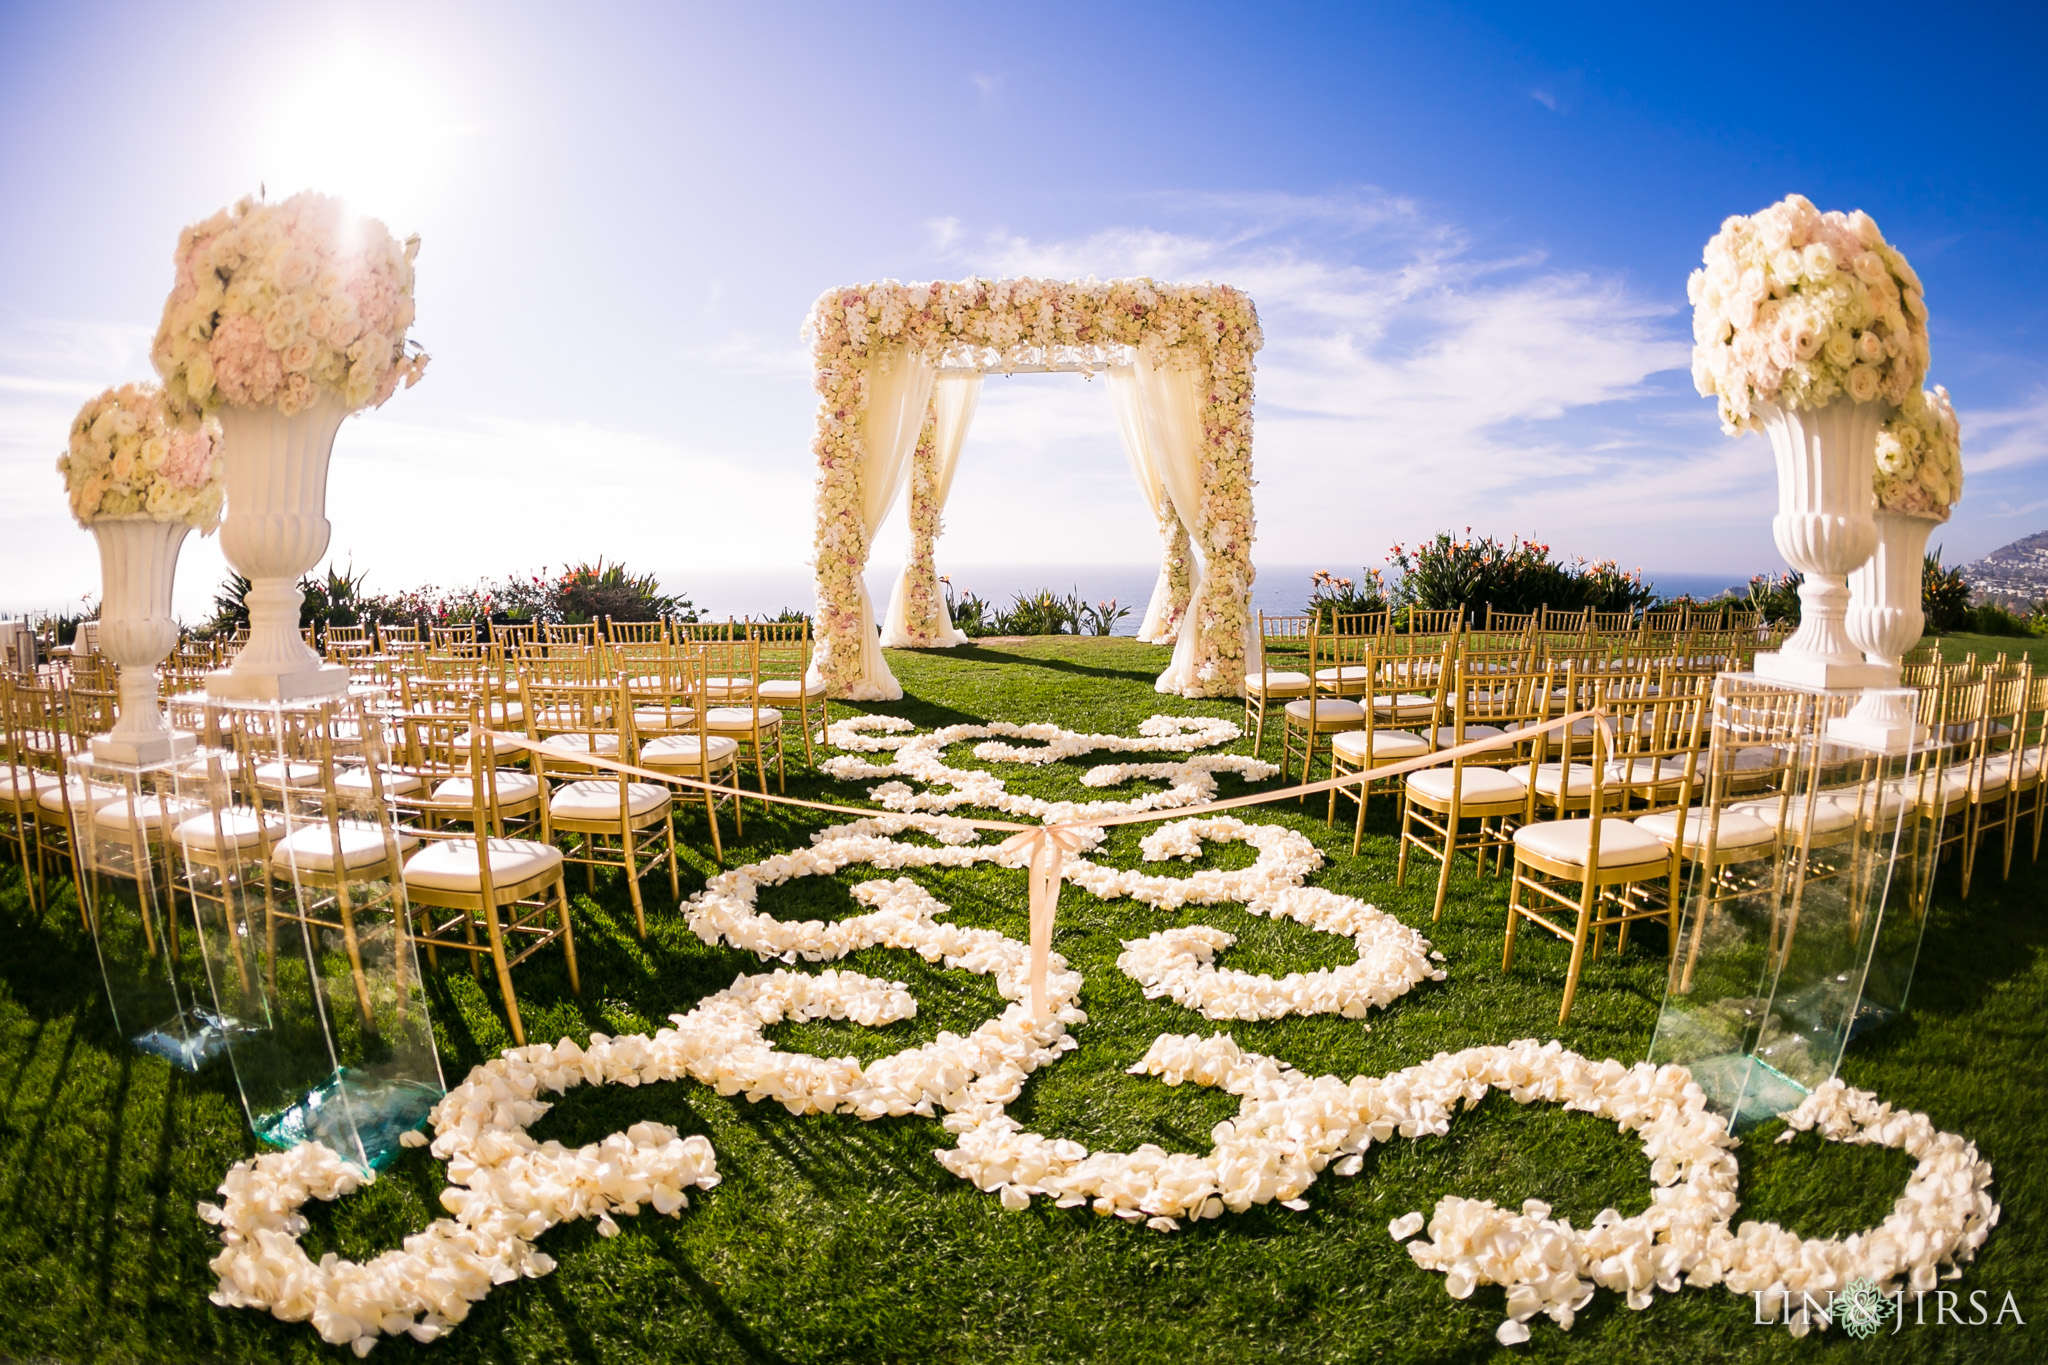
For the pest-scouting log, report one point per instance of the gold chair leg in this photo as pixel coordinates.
(504, 970)
(1589, 896)
(1507, 954)
(568, 934)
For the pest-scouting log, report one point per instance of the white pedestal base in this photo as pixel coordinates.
(144, 753)
(1884, 721)
(328, 680)
(1807, 670)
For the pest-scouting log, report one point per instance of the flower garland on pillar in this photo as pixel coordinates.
(924, 616)
(998, 324)
(1177, 560)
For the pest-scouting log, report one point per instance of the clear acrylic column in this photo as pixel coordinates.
(124, 819)
(1805, 905)
(295, 874)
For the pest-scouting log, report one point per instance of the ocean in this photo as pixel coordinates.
(1278, 588)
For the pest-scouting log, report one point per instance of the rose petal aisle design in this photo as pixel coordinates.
(506, 1189)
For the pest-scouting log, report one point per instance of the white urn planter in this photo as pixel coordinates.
(1825, 528)
(276, 529)
(138, 565)
(1884, 621)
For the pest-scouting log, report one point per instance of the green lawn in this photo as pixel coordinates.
(833, 1239)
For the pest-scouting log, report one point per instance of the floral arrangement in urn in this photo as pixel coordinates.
(1920, 457)
(1213, 329)
(126, 459)
(1796, 307)
(276, 304)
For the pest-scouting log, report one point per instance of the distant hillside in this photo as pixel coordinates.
(2013, 573)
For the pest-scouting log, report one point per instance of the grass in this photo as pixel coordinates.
(833, 1239)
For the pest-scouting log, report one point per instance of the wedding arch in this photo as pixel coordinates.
(899, 369)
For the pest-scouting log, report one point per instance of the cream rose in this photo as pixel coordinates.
(1863, 384)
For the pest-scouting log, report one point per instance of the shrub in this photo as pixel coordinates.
(1992, 619)
(1041, 613)
(1944, 596)
(1775, 598)
(972, 615)
(591, 592)
(1330, 596)
(1101, 618)
(1514, 576)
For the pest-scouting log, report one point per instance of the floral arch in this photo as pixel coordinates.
(899, 367)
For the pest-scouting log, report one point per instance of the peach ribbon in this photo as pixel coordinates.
(1049, 845)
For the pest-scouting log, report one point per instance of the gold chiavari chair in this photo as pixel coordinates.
(731, 678)
(1305, 720)
(510, 635)
(1598, 856)
(449, 641)
(434, 745)
(22, 779)
(1508, 622)
(619, 632)
(565, 663)
(2031, 785)
(582, 634)
(704, 632)
(66, 720)
(1283, 640)
(392, 639)
(512, 889)
(2005, 774)
(1946, 790)
(343, 644)
(1492, 788)
(787, 681)
(342, 855)
(1447, 621)
(680, 743)
(610, 818)
(1611, 622)
(1374, 744)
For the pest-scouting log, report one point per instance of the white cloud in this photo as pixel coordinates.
(1411, 382)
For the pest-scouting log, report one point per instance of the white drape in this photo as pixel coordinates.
(1128, 401)
(899, 384)
(953, 401)
(1172, 404)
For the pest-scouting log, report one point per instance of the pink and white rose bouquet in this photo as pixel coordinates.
(283, 303)
(1920, 457)
(126, 459)
(1797, 308)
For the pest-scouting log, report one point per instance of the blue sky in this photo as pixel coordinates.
(1467, 228)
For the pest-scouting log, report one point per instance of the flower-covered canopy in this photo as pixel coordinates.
(1209, 330)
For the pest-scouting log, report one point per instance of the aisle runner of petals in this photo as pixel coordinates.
(506, 1189)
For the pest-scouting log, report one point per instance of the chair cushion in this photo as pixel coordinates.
(396, 783)
(1326, 712)
(239, 828)
(22, 784)
(600, 744)
(1379, 744)
(311, 848)
(1273, 683)
(728, 687)
(1447, 735)
(281, 773)
(1660, 771)
(680, 751)
(1736, 830)
(1829, 816)
(1622, 844)
(790, 689)
(492, 743)
(1404, 704)
(598, 799)
(146, 810)
(1550, 778)
(659, 718)
(514, 786)
(452, 865)
(503, 712)
(741, 717)
(1480, 786)
(82, 797)
(1345, 673)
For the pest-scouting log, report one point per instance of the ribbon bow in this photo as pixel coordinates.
(1049, 846)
